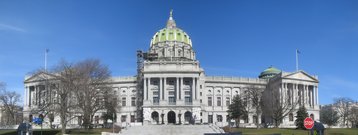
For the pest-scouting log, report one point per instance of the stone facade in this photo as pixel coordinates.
(171, 87)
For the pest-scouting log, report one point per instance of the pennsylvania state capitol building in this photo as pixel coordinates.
(171, 87)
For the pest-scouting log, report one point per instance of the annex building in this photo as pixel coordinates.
(172, 87)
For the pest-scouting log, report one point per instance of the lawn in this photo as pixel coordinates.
(247, 131)
(96, 131)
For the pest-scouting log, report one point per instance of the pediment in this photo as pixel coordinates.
(301, 75)
(41, 76)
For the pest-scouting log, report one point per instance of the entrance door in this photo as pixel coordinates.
(171, 117)
(188, 117)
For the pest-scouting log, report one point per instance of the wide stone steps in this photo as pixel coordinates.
(170, 130)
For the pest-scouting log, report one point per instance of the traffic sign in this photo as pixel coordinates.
(308, 123)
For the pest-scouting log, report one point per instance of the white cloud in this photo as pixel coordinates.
(11, 28)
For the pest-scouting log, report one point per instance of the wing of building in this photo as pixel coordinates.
(171, 87)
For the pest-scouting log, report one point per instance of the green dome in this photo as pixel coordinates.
(170, 33)
(269, 73)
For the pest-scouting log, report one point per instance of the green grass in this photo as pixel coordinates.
(7, 131)
(96, 131)
(246, 131)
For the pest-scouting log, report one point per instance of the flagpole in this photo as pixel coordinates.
(296, 59)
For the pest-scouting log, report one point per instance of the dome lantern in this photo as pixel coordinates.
(171, 23)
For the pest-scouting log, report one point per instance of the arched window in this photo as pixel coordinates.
(290, 117)
(179, 52)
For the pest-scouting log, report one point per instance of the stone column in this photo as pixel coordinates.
(26, 96)
(197, 88)
(307, 95)
(317, 95)
(150, 93)
(160, 88)
(312, 97)
(280, 93)
(283, 93)
(181, 91)
(296, 93)
(292, 93)
(165, 91)
(145, 92)
(36, 95)
(192, 89)
(177, 89)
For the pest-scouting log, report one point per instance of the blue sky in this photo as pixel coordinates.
(231, 38)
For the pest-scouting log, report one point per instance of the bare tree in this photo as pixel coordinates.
(342, 105)
(278, 106)
(328, 115)
(93, 83)
(59, 85)
(353, 117)
(110, 106)
(255, 95)
(10, 102)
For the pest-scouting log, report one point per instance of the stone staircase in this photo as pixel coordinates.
(170, 130)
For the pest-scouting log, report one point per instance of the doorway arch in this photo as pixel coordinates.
(188, 117)
(155, 116)
(171, 117)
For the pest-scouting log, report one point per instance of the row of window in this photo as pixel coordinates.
(218, 101)
(124, 101)
(172, 82)
(219, 118)
(124, 118)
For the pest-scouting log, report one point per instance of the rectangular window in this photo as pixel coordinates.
(171, 100)
(210, 102)
(155, 93)
(219, 118)
(210, 118)
(133, 101)
(171, 92)
(201, 93)
(124, 101)
(114, 101)
(218, 101)
(187, 100)
(132, 118)
(187, 93)
(123, 118)
(155, 100)
(227, 101)
(201, 101)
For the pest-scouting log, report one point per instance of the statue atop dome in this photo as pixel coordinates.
(171, 23)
